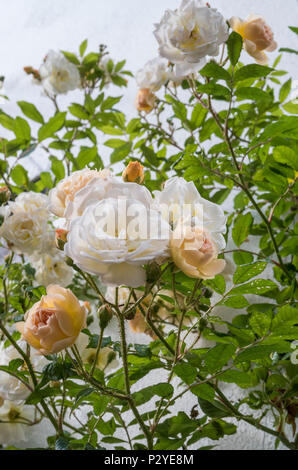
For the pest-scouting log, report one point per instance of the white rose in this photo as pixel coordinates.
(51, 268)
(67, 188)
(112, 240)
(154, 74)
(99, 189)
(25, 225)
(58, 75)
(181, 200)
(190, 33)
(10, 387)
(12, 429)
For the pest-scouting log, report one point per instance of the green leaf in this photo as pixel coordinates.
(19, 175)
(86, 156)
(242, 379)
(51, 127)
(213, 70)
(283, 154)
(197, 116)
(71, 57)
(252, 71)
(204, 391)
(234, 44)
(240, 257)
(256, 353)
(286, 316)
(213, 89)
(260, 323)
(290, 107)
(285, 90)
(258, 287)
(83, 47)
(294, 29)
(31, 111)
(255, 94)
(163, 390)
(57, 168)
(214, 409)
(248, 271)
(121, 153)
(22, 129)
(236, 302)
(79, 111)
(241, 228)
(186, 372)
(218, 284)
(218, 357)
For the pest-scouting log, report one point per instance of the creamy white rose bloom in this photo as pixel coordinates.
(10, 387)
(12, 431)
(25, 227)
(58, 75)
(181, 200)
(115, 237)
(190, 33)
(154, 74)
(66, 189)
(51, 268)
(105, 188)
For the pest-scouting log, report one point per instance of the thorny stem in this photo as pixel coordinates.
(133, 407)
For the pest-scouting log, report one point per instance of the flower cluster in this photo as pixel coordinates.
(28, 230)
(115, 227)
(186, 37)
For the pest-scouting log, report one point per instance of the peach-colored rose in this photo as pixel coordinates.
(133, 173)
(66, 189)
(53, 323)
(257, 36)
(195, 252)
(139, 325)
(145, 100)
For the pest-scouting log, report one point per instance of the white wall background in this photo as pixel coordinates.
(29, 28)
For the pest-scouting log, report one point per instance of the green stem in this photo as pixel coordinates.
(127, 383)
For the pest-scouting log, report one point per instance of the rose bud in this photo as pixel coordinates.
(105, 315)
(133, 173)
(5, 195)
(31, 71)
(195, 252)
(60, 238)
(145, 100)
(53, 323)
(257, 36)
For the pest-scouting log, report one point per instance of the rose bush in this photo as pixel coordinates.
(135, 289)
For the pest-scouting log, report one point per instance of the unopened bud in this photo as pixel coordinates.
(133, 173)
(69, 261)
(31, 71)
(105, 315)
(111, 356)
(61, 238)
(145, 100)
(5, 195)
(153, 272)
